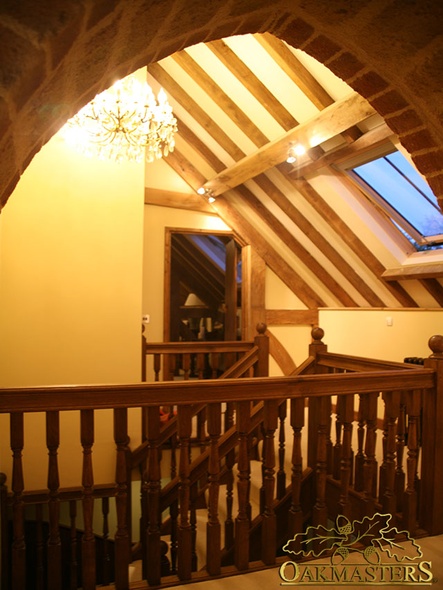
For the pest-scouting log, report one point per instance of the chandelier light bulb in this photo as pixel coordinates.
(126, 122)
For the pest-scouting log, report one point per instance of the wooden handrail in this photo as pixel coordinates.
(90, 397)
(355, 363)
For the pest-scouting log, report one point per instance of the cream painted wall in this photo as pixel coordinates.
(366, 333)
(157, 219)
(71, 248)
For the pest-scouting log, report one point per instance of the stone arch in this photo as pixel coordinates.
(54, 61)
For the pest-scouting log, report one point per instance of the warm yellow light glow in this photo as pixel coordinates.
(125, 122)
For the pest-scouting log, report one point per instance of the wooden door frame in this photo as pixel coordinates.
(245, 298)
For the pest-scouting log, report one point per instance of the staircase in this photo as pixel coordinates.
(251, 462)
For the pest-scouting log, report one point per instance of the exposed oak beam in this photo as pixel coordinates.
(237, 67)
(351, 239)
(292, 317)
(327, 124)
(371, 139)
(175, 91)
(279, 229)
(296, 71)
(219, 96)
(431, 270)
(317, 238)
(280, 354)
(252, 236)
(165, 198)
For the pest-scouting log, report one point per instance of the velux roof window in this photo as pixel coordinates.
(406, 198)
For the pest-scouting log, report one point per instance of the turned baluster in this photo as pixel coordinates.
(297, 423)
(193, 523)
(229, 521)
(400, 446)
(281, 475)
(370, 463)
(73, 563)
(186, 365)
(388, 500)
(269, 523)
(88, 543)
(213, 529)
(173, 509)
(106, 576)
(18, 527)
(215, 364)
(152, 489)
(40, 567)
(382, 475)
(242, 522)
(337, 450)
(4, 557)
(410, 497)
(121, 543)
(360, 456)
(319, 512)
(347, 417)
(157, 366)
(54, 543)
(184, 527)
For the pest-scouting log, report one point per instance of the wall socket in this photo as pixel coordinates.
(146, 319)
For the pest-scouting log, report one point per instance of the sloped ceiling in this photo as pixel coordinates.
(240, 104)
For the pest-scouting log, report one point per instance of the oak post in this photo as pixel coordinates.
(315, 348)
(262, 342)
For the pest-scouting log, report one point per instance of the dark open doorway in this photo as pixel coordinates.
(203, 286)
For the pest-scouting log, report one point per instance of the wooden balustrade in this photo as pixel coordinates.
(334, 468)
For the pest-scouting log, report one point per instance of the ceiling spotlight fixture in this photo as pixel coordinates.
(294, 151)
(207, 193)
(125, 122)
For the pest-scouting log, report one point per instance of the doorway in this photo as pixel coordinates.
(203, 286)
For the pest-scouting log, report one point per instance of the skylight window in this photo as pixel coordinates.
(407, 199)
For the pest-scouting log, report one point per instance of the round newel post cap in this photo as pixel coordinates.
(261, 328)
(436, 345)
(317, 334)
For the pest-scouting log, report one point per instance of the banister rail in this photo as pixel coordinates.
(96, 397)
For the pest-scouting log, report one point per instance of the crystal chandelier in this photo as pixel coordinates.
(125, 122)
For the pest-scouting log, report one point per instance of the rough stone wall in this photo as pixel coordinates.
(56, 55)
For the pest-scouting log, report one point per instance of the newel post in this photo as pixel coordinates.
(431, 506)
(315, 404)
(262, 343)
